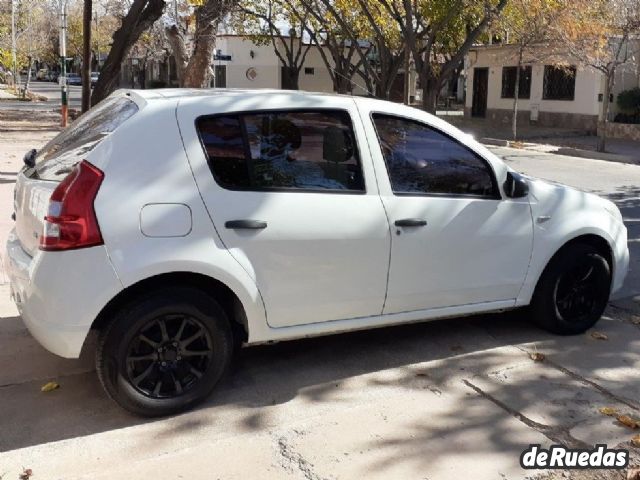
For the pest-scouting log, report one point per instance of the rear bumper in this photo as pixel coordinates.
(59, 294)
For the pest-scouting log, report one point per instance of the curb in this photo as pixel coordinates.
(495, 141)
(567, 151)
(611, 157)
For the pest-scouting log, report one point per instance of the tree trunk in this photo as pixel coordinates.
(340, 84)
(179, 49)
(430, 94)
(198, 71)
(28, 79)
(608, 86)
(141, 15)
(86, 55)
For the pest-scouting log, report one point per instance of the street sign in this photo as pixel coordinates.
(218, 56)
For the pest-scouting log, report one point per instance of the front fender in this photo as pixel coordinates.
(562, 214)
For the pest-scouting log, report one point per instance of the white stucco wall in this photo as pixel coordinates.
(268, 66)
(587, 87)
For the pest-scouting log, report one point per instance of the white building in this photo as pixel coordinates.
(247, 65)
(551, 96)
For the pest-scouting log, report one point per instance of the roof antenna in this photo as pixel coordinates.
(369, 93)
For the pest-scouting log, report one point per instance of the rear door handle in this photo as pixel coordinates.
(410, 222)
(246, 224)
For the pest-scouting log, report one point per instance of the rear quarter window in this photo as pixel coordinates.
(55, 160)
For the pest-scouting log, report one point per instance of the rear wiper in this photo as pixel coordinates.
(64, 170)
(29, 158)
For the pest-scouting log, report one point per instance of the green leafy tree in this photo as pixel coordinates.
(439, 33)
(597, 35)
(530, 27)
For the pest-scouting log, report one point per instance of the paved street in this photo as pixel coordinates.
(457, 398)
(46, 89)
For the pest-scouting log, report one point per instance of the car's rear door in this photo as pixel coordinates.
(289, 187)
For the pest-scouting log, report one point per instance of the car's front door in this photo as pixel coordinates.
(455, 240)
(295, 202)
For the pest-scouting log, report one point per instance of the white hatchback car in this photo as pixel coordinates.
(181, 224)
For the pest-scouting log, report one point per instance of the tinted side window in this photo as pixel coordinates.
(422, 160)
(308, 150)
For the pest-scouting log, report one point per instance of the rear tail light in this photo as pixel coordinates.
(71, 219)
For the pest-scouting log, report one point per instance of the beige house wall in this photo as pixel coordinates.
(267, 67)
(582, 112)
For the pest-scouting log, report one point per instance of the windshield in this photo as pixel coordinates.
(58, 156)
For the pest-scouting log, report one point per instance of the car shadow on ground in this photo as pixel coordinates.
(312, 371)
(261, 376)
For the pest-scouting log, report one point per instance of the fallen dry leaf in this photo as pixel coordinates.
(537, 356)
(635, 441)
(627, 421)
(635, 319)
(599, 336)
(633, 474)
(49, 387)
(610, 411)
(26, 474)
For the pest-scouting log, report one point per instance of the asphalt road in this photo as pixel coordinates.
(457, 398)
(47, 89)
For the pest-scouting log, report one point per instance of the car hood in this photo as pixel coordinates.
(548, 198)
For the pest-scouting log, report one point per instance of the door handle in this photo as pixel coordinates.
(246, 224)
(410, 222)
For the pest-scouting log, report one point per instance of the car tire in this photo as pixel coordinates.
(573, 291)
(165, 352)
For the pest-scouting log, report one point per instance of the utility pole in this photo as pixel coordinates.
(14, 56)
(63, 64)
(97, 43)
(407, 90)
(86, 55)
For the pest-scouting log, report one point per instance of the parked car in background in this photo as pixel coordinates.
(74, 79)
(259, 216)
(42, 74)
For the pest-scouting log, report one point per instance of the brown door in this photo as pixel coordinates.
(480, 88)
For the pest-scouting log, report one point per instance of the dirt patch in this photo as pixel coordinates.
(29, 121)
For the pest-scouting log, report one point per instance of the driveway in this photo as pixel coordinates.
(458, 398)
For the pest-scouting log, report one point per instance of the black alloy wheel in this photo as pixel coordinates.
(165, 352)
(573, 290)
(169, 356)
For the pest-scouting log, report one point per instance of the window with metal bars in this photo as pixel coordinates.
(559, 83)
(509, 82)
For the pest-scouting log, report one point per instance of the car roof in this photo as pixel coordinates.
(175, 93)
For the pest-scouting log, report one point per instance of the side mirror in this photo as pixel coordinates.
(515, 186)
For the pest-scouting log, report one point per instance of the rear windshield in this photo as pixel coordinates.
(56, 159)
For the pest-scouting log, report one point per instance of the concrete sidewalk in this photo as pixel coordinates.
(5, 95)
(563, 141)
